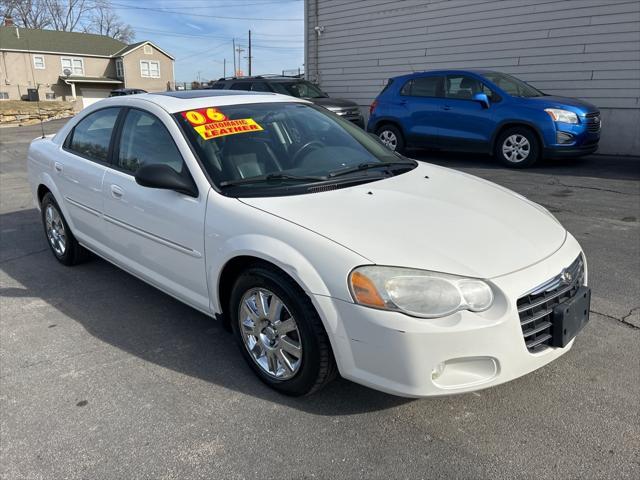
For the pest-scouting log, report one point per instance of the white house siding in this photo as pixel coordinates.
(588, 49)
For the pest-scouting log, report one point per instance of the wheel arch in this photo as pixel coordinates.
(507, 124)
(240, 253)
(389, 121)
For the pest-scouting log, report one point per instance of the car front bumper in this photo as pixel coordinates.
(402, 355)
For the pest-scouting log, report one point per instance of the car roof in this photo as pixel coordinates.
(478, 71)
(266, 78)
(180, 101)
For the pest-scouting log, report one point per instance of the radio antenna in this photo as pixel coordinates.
(36, 84)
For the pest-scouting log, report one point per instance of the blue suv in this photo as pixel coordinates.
(482, 111)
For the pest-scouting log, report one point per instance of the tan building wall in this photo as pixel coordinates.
(133, 73)
(18, 73)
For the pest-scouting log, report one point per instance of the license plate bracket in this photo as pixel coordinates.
(570, 317)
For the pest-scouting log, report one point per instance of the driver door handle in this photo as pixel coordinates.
(116, 192)
(447, 107)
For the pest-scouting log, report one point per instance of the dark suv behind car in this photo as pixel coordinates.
(295, 87)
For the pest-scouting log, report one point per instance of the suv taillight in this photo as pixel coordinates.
(373, 106)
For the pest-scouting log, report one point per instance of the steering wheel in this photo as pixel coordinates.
(306, 148)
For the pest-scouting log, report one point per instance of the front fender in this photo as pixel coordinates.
(271, 250)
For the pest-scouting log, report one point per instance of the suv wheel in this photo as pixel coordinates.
(391, 137)
(280, 333)
(518, 147)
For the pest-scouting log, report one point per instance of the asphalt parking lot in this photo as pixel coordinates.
(102, 376)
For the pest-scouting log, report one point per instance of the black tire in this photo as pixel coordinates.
(317, 366)
(73, 252)
(532, 146)
(392, 130)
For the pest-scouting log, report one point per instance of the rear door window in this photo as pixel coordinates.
(91, 137)
(260, 87)
(423, 87)
(241, 86)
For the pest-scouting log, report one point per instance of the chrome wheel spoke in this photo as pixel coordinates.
(275, 309)
(286, 326)
(290, 346)
(284, 361)
(261, 300)
(273, 343)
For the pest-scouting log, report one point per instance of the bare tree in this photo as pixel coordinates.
(90, 16)
(105, 21)
(27, 13)
(68, 16)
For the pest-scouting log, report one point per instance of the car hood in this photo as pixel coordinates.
(431, 218)
(329, 102)
(550, 101)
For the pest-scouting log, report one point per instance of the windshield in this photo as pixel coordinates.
(512, 85)
(299, 89)
(253, 148)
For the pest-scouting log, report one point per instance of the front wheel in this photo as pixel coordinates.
(280, 333)
(518, 147)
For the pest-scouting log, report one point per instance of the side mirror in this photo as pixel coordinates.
(483, 99)
(164, 177)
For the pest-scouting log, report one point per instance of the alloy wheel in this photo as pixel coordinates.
(389, 139)
(516, 148)
(55, 230)
(270, 333)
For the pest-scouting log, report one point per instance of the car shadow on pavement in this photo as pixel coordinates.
(594, 166)
(125, 312)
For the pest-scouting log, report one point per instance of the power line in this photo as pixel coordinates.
(171, 12)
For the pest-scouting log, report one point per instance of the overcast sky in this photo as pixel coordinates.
(198, 33)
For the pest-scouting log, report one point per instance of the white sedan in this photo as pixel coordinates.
(323, 251)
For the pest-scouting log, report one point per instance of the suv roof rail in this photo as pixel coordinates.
(263, 76)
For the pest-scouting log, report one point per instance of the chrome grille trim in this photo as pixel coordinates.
(535, 308)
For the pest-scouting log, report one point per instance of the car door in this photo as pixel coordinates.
(422, 100)
(79, 172)
(465, 124)
(158, 234)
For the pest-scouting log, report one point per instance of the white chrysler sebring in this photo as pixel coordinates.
(323, 251)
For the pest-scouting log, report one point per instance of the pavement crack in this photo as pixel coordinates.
(622, 320)
(11, 259)
(599, 189)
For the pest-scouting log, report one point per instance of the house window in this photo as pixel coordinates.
(148, 50)
(150, 68)
(119, 68)
(4, 96)
(38, 62)
(74, 65)
(50, 96)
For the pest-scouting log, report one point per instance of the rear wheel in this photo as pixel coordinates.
(518, 147)
(280, 333)
(63, 244)
(391, 137)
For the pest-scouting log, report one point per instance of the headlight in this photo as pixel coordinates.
(418, 292)
(564, 116)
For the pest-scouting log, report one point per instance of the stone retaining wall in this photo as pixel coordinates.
(28, 113)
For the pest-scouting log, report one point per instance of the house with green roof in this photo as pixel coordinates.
(77, 67)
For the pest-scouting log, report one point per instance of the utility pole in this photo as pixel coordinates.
(234, 57)
(224, 68)
(250, 57)
(239, 50)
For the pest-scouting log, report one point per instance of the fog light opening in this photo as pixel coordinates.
(564, 137)
(437, 371)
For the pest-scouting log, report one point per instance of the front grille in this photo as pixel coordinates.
(536, 308)
(593, 122)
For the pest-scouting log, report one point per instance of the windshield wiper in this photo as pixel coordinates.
(367, 166)
(271, 176)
